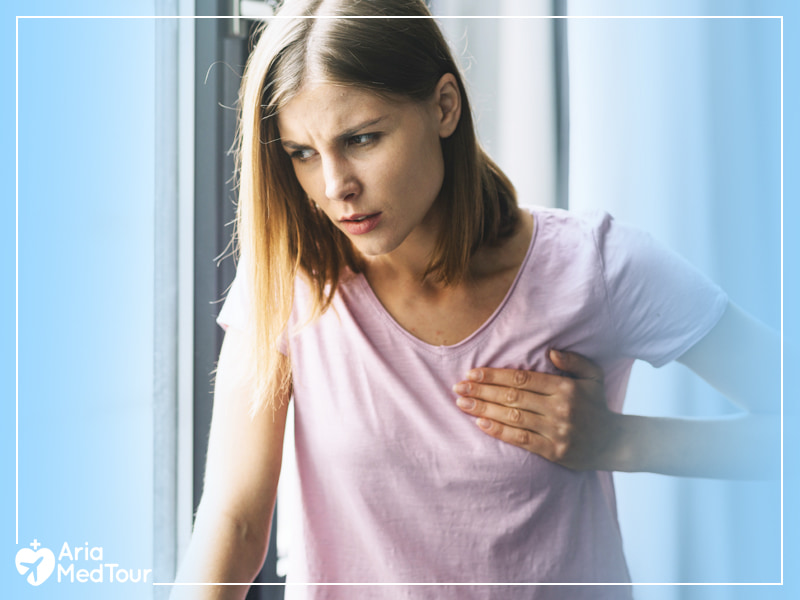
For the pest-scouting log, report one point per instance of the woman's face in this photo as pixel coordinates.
(373, 166)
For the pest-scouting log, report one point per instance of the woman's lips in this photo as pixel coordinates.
(360, 224)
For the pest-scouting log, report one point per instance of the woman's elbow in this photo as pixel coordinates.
(226, 546)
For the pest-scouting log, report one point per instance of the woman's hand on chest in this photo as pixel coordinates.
(564, 419)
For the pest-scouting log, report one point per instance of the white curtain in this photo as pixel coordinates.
(509, 67)
(675, 127)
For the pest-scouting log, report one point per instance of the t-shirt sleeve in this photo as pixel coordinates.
(236, 310)
(660, 305)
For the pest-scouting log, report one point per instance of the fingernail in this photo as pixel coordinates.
(554, 352)
(462, 388)
(465, 403)
(484, 423)
(475, 375)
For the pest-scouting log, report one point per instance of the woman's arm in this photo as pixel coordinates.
(565, 419)
(232, 524)
(740, 357)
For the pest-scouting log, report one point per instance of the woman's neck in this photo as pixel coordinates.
(441, 314)
(409, 261)
(405, 267)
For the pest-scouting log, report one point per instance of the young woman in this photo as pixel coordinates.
(457, 365)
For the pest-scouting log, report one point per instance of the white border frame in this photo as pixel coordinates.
(186, 132)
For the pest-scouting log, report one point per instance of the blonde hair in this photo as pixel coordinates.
(278, 229)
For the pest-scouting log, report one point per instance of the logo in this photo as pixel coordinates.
(35, 565)
(74, 565)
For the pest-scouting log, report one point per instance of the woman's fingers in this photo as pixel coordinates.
(576, 365)
(563, 418)
(522, 438)
(511, 416)
(531, 381)
(502, 395)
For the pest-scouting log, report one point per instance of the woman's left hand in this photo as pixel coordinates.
(561, 418)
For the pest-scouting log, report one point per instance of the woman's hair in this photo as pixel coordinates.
(279, 231)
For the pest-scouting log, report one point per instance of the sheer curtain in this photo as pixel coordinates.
(510, 70)
(675, 127)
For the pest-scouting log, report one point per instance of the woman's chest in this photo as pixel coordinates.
(395, 420)
(443, 317)
(441, 322)
(373, 390)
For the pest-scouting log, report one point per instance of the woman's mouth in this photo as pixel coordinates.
(361, 223)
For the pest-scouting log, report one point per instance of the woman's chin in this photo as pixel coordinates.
(372, 246)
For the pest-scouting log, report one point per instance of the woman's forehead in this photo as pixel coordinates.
(328, 109)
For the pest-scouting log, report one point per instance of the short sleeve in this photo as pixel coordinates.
(660, 305)
(237, 310)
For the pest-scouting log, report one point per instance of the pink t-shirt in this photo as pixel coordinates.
(398, 485)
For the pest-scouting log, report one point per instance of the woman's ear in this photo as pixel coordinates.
(447, 96)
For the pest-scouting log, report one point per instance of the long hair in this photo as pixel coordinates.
(281, 233)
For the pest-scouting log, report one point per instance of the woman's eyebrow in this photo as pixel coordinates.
(290, 145)
(286, 143)
(354, 130)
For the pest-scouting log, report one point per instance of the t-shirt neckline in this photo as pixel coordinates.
(473, 338)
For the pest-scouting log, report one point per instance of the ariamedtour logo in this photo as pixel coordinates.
(74, 564)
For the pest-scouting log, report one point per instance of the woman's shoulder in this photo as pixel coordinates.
(561, 220)
(350, 285)
(565, 234)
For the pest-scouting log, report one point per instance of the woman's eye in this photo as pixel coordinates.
(302, 155)
(362, 139)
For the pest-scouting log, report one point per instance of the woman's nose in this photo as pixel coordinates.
(341, 182)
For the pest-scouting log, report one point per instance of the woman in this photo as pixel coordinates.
(458, 365)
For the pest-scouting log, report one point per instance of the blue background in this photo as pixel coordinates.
(86, 210)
